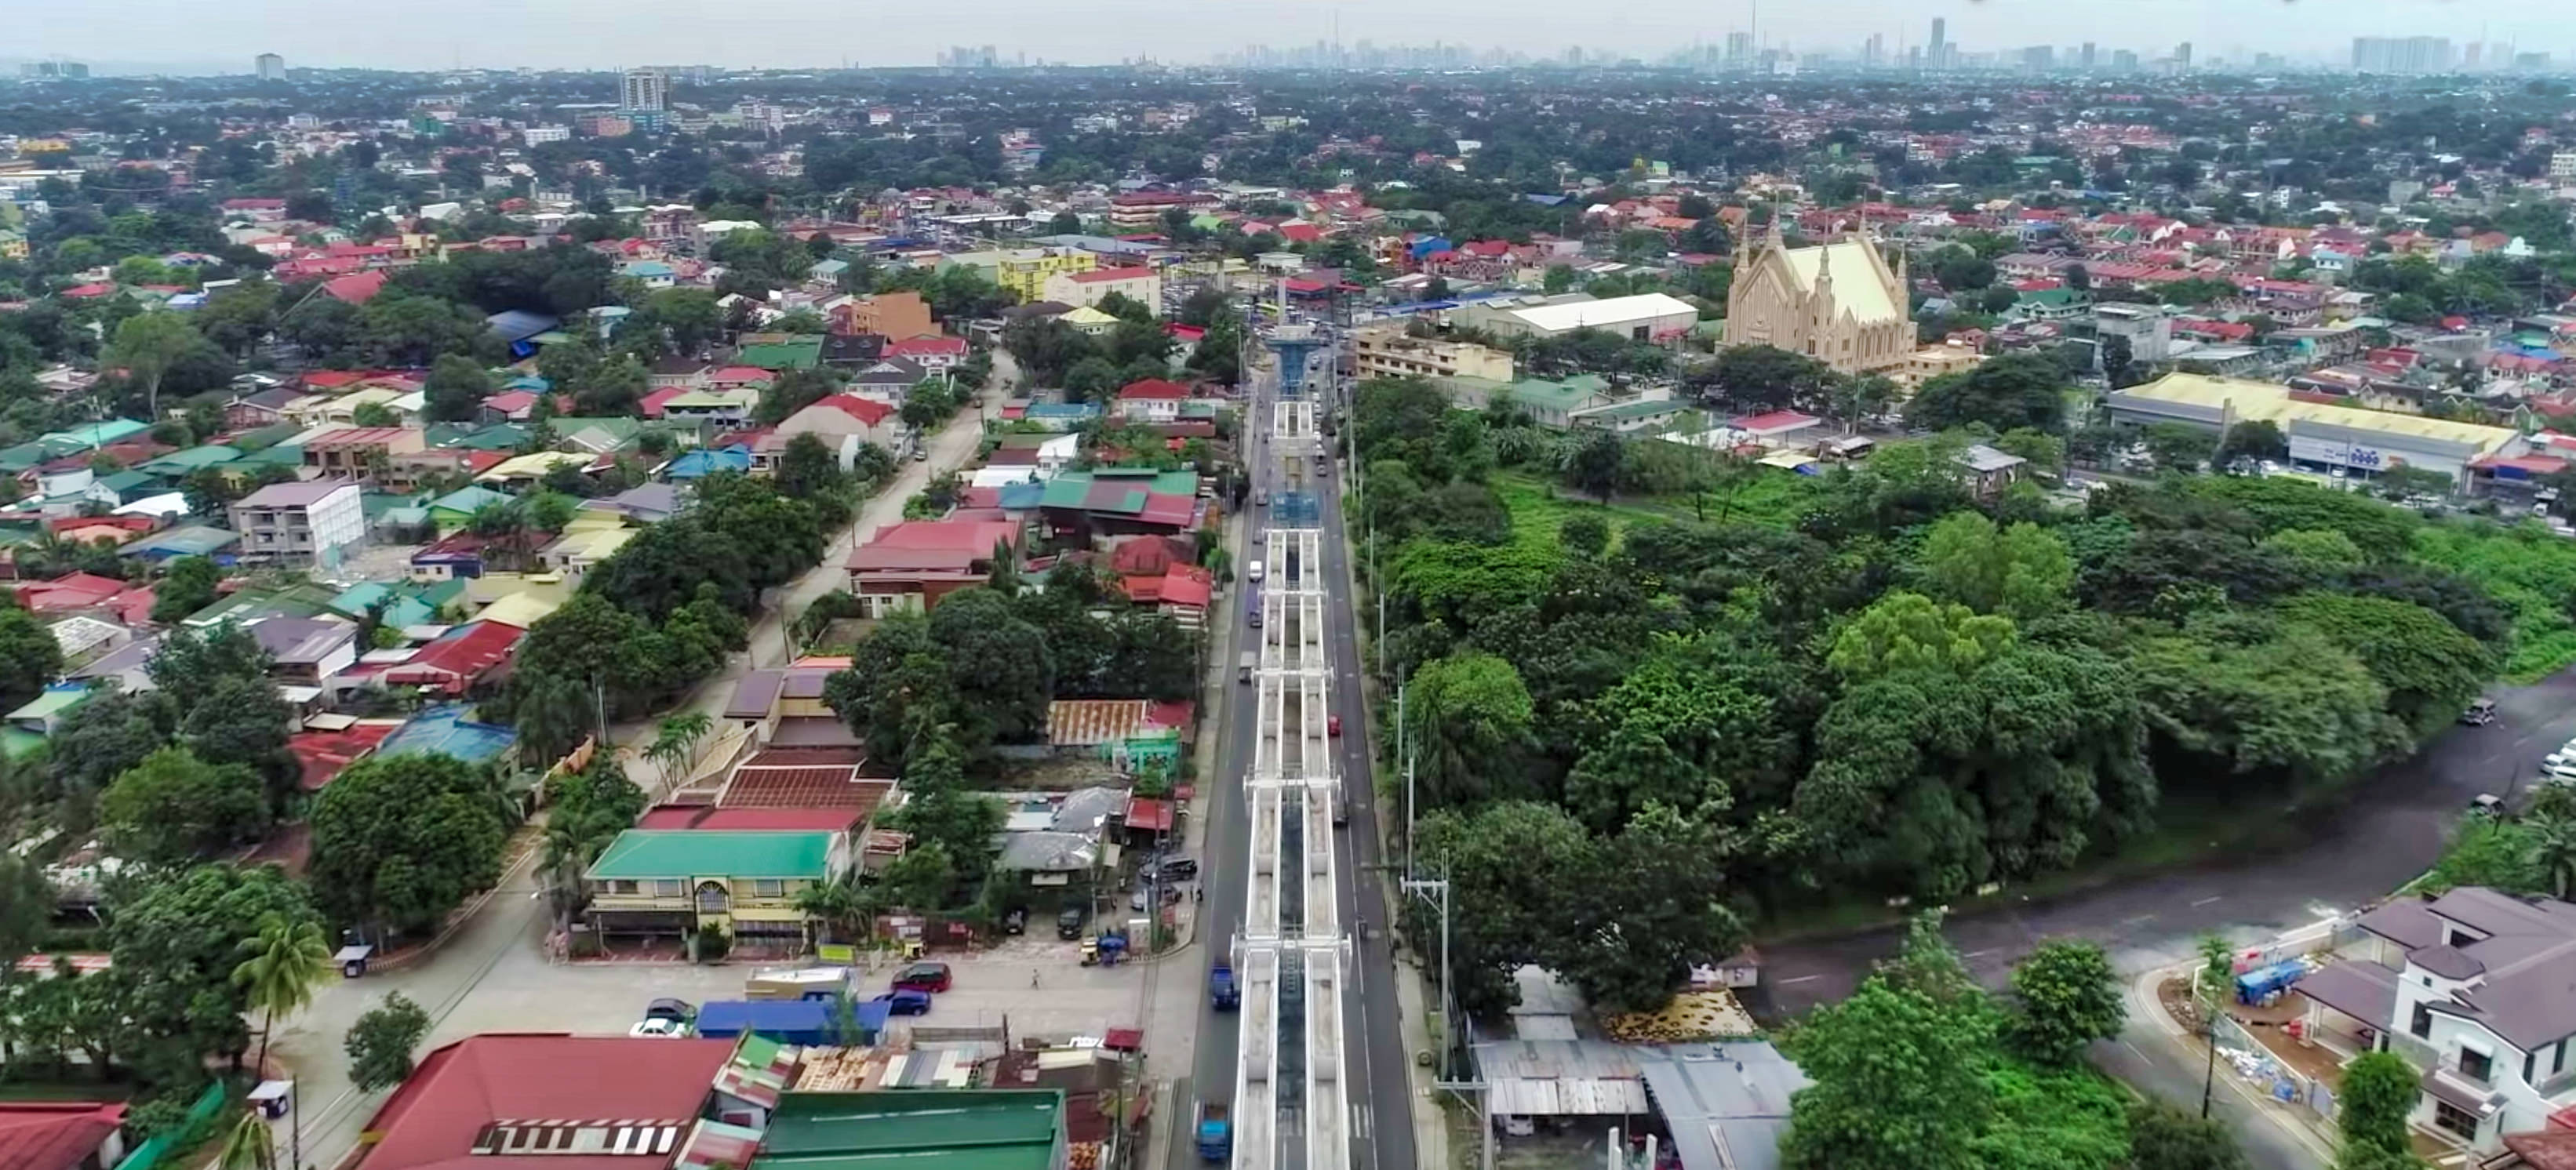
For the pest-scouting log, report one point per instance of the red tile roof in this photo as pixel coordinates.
(787, 820)
(1145, 812)
(458, 657)
(1777, 420)
(326, 754)
(1151, 388)
(70, 592)
(55, 1135)
(357, 288)
(433, 1119)
(926, 347)
(868, 411)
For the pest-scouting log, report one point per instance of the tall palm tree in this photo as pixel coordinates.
(675, 740)
(250, 1146)
(571, 844)
(279, 967)
(2553, 851)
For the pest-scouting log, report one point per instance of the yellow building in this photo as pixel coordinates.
(1024, 272)
(13, 246)
(1933, 361)
(673, 881)
(2322, 435)
(1840, 303)
(1391, 353)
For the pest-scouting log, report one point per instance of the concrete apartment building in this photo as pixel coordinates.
(311, 523)
(1391, 353)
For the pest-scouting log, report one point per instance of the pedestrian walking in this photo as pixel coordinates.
(1033, 978)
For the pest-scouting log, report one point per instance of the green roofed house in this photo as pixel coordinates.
(90, 436)
(679, 881)
(1549, 404)
(921, 1129)
(1123, 501)
(790, 353)
(177, 464)
(456, 509)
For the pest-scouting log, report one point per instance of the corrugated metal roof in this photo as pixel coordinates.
(1562, 1078)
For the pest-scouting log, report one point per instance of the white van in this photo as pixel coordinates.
(1253, 572)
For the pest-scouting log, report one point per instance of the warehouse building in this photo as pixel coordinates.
(1653, 317)
(2324, 436)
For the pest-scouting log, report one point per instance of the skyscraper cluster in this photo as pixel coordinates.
(2401, 54)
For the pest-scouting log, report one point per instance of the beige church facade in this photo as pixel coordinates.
(1839, 303)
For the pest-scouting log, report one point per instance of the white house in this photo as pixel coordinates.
(1151, 400)
(2477, 989)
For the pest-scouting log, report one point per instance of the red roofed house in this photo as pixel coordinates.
(1151, 400)
(85, 292)
(457, 659)
(61, 1135)
(844, 423)
(526, 1101)
(930, 353)
(356, 288)
(908, 567)
(1775, 428)
(739, 378)
(324, 754)
(69, 593)
(510, 406)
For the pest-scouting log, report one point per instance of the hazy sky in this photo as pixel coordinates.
(606, 33)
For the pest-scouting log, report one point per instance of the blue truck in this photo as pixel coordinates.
(1222, 992)
(792, 1021)
(1216, 1132)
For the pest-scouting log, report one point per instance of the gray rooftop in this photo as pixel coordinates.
(2523, 987)
(1726, 1104)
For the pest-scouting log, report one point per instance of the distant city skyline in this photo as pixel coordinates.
(126, 35)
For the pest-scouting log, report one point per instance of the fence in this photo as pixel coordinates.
(190, 1131)
(2255, 1063)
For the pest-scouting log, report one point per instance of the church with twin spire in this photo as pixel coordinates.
(1839, 302)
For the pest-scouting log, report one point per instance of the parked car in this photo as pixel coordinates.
(922, 977)
(1332, 725)
(1174, 869)
(670, 1009)
(2480, 713)
(660, 1029)
(2486, 804)
(1016, 922)
(905, 1002)
(1068, 922)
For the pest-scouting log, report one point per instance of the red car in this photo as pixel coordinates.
(1332, 725)
(922, 977)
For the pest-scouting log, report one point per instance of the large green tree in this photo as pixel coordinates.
(2016, 390)
(1467, 719)
(174, 808)
(2021, 571)
(398, 841)
(29, 656)
(2066, 997)
(2379, 1090)
(1897, 1083)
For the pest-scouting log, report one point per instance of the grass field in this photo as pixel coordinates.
(1539, 507)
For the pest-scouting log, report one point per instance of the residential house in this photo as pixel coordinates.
(454, 662)
(1989, 471)
(1549, 404)
(712, 407)
(456, 509)
(1108, 502)
(577, 552)
(673, 882)
(849, 350)
(62, 1135)
(1151, 400)
(908, 567)
(842, 422)
(2477, 989)
(679, 373)
(259, 408)
(315, 523)
(649, 503)
(886, 380)
(780, 352)
(934, 354)
(306, 651)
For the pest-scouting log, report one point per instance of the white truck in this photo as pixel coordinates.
(1252, 572)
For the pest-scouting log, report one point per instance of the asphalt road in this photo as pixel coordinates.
(2352, 852)
(1381, 1102)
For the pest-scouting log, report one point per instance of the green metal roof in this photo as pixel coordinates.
(1552, 395)
(684, 853)
(183, 462)
(267, 436)
(804, 353)
(925, 1129)
(1636, 410)
(467, 500)
(90, 436)
(23, 457)
(50, 702)
(281, 455)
